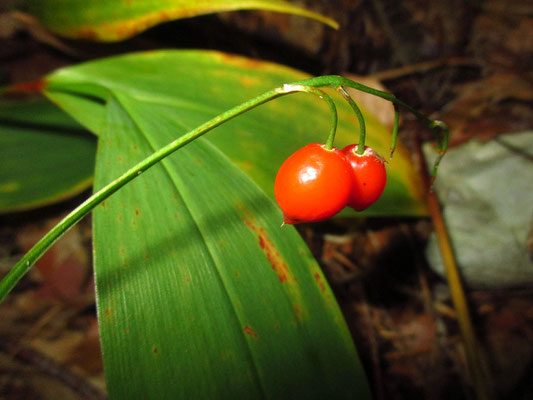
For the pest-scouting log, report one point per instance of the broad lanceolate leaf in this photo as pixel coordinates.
(45, 155)
(115, 20)
(201, 294)
(187, 88)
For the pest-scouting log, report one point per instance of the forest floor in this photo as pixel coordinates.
(467, 65)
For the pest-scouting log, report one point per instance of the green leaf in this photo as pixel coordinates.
(201, 294)
(46, 156)
(106, 20)
(186, 88)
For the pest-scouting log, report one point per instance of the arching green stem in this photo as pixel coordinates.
(442, 144)
(395, 131)
(359, 114)
(327, 98)
(309, 85)
(29, 259)
(437, 127)
(334, 117)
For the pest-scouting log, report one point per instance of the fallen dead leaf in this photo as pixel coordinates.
(64, 268)
(489, 107)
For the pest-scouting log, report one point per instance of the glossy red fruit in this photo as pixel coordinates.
(368, 176)
(313, 184)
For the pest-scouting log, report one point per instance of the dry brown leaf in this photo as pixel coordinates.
(64, 268)
(489, 107)
(504, 42)
(86, 354)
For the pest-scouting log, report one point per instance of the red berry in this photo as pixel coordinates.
(368, 176)
(313, 184)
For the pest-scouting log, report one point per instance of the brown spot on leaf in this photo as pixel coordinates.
(154, 350)
(251, 332)
(127, 330)
(276, 261)
(320, 282)
(85, 32)
(238, 61)
(137, 212)
(249, 81)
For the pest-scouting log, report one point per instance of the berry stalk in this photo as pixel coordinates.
(359, 114)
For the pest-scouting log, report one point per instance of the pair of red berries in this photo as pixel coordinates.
(315, 183)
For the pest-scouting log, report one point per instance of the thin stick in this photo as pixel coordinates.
(472, 349)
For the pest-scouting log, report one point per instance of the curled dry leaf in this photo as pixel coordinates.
(488, 107)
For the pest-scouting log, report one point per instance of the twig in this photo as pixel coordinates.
(422, 67)
(475, 364)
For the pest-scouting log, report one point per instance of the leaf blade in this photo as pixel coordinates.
(46, 157)
(238, 316)
(112, 21)
(257, 141)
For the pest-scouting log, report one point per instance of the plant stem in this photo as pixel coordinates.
(334, 117)
(395, 131)
(28, 260)
(327, 98)
(359, 114)
(473, 353)
(437, 127)
(308, 85)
